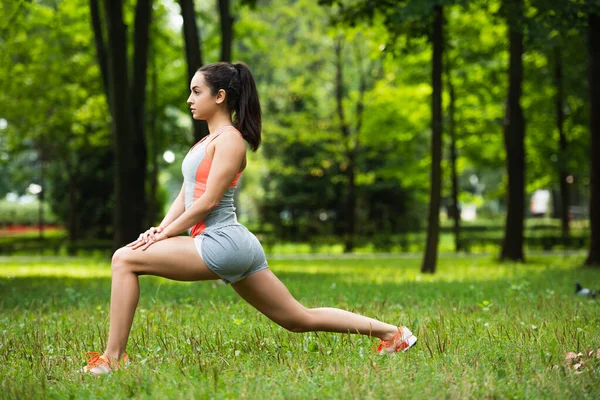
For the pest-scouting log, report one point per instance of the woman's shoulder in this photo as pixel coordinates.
(232, 132)
(232, 140)
(230, 136)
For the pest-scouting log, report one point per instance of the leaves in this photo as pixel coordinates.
(579, 361)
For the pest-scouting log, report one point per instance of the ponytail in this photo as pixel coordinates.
(242, 97)
(248, 116)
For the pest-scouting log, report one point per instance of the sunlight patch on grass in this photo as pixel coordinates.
(20, 267)
(398, 270)
(383, 270)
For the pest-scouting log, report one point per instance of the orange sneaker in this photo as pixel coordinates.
(402, 341)
(101, 364)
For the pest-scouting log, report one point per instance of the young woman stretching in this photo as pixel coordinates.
(218, 247)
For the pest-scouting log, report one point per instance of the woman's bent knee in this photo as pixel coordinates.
(121, 259)
(297, 323)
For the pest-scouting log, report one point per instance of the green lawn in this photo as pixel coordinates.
(486, 330)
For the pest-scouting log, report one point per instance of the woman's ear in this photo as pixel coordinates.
(221, 95)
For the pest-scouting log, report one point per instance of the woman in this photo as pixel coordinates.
(218, 247)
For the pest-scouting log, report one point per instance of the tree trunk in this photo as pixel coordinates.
(454, 208)
(350, 206)
(73, 213)
(226, 30)
(349, 169)
(514, 137)
(562, 158)
(42, 194)
(129, 177)
(593, 257)
(226, 42)
(433, 216)
(154, 148)
(100, 47)
(142, 22)
(354, 142)
(193, 53)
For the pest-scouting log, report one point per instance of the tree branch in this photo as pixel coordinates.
(101, 54)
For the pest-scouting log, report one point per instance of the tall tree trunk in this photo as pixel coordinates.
(454, 209)
(142, 22)
(101, 55)
(562, 158)
(593, 257)
(354, 150)
(514, 137)
(153, 142)
(350, 198)
(193, 53)
(129, 176)
(226, 30)
(433, 216)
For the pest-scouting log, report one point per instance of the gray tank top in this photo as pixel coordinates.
(195, 168)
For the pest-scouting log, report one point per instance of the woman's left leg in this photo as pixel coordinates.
(266, 293)
(173, 258)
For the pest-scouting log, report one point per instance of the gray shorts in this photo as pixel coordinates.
(231, 251)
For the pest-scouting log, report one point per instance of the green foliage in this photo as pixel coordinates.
(304, 149)
(12, 213)
(485, 330)
(60, 117)
(51, 98)
(56, 112)
(476, 63)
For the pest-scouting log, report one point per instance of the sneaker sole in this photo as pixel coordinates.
(411, 340)
(408, 342)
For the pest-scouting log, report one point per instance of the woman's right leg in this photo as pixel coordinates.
(265, 292)
(174, 258)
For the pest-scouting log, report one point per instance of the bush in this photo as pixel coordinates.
(12, 213)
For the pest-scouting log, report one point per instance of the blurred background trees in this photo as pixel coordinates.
(352, 93)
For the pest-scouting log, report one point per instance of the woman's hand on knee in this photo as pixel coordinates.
(145, 243)
(150, 236)
(151, 233)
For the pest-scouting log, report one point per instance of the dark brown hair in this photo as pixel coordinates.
(242, 97)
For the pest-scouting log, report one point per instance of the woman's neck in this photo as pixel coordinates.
(214, 124)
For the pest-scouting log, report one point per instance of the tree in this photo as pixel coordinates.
(226, 30)
(127, 107)
(453, 209)
(433, 215)
(193, 54)
(166, 129)
(349, 135)
(554, 33)
(411, 18)
(563, 144)
(514, 136)
(593, 257)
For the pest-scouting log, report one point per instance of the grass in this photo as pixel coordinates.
(486, 330)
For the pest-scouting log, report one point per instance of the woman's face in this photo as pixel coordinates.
(202, 103)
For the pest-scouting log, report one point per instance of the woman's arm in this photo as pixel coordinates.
(230, 149)
(176, 209)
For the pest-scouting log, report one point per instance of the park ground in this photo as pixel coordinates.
(486, 330)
